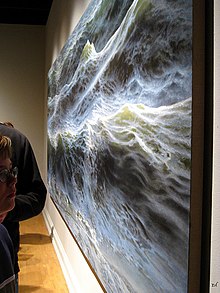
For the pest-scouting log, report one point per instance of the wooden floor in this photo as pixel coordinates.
(39, 267)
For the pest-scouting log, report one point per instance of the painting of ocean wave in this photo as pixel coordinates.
(119, 141)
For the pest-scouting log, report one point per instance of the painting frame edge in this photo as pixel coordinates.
(202, 139)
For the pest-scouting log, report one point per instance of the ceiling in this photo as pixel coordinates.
(29, 12)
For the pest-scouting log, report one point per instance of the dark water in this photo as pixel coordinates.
(119, 141)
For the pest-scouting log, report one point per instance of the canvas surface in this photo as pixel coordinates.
(119, 141)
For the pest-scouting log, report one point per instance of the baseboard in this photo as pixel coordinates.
(71, 281)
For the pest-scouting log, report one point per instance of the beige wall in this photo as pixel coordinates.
(63, 17)
(22, 82)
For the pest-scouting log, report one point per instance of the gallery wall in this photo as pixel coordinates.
(22, 83)
(63, 18)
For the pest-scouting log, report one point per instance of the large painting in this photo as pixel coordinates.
(119, 141)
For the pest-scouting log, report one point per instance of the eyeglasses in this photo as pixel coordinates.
(7, 175)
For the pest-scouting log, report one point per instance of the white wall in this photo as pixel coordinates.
(63, 18)
(215, 233)
(22, 82)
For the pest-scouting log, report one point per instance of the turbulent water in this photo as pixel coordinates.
(119, 141)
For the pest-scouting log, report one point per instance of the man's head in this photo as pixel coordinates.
(7, 177)
(7, 123)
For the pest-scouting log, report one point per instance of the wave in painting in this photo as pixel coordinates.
(119, 141)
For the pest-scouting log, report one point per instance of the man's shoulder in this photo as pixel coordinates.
(3, 231)
(4, 236)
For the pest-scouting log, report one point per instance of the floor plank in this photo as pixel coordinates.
(40, 271)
